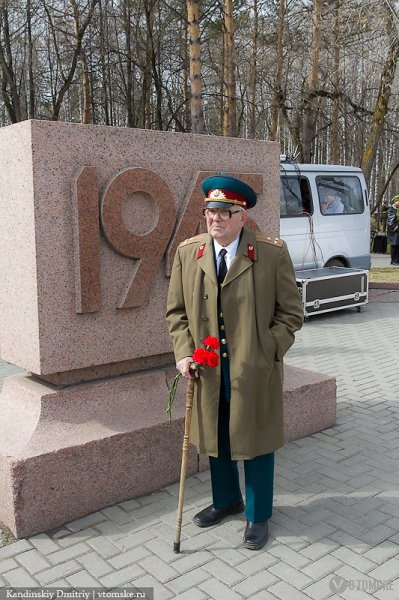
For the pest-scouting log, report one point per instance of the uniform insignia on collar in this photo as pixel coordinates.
(200, 251)
(251, 251)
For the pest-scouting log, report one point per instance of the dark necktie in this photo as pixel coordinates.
(222, 266)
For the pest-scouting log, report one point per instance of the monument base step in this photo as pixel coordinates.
(65, 453)
(310, 402)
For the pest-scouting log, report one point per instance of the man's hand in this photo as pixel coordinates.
(184, 367)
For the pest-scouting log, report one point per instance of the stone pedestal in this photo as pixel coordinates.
(309, 402)
(90, 219)
(67, 453)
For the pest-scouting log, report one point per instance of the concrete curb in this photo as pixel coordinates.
(378, 285)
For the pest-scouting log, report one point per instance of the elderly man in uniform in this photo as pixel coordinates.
(239, 286)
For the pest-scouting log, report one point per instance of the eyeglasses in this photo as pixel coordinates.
(224, 213)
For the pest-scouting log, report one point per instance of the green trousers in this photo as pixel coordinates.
(259, 471)
(259, 474)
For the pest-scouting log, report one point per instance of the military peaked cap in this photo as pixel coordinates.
(224, 191)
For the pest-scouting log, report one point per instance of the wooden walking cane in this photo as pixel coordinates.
(184, 459)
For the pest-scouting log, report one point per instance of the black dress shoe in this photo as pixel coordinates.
(256, 535)
(211, 516)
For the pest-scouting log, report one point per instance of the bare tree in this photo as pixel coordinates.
(86, 109)
(61, 33)
(9, 87)
(129, 63)
(229, 68)
(384, 93)
(197, 115)
(310, 99)
(32, 106)
(253, 73)
(328, 96)
(278, 93)
(149, 8)
(336, 80)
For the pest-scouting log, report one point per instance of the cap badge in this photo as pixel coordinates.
(215, 194)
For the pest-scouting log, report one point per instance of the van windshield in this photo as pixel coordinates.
(339, 195)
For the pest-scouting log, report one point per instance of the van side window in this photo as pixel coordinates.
(340, 195)
(295, 199)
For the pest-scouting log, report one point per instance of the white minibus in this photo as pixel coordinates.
(325, 215)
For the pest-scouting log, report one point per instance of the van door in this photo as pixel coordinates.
(344, 223)
(297, 227)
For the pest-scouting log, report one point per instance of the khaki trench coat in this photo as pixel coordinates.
(261, 310)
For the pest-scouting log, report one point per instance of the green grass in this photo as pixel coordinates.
(387, 275)
(6, 537)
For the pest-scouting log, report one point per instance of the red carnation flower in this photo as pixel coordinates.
(200, 356)
(213, 359)
(211, 342)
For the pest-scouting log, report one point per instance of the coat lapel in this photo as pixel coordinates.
(207, 260)
(242, 261)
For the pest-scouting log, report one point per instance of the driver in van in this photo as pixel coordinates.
(331, 203)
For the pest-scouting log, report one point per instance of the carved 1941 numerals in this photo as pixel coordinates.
(93, 213)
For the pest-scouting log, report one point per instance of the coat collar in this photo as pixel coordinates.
(246, 254)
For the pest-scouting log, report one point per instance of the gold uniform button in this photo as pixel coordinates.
(223, 341)
(224, 355)
(221, 314)
(222, 327)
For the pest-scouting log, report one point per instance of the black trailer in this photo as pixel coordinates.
(332, 288)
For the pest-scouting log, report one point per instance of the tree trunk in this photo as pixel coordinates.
(129, 64)
(103, 46)
(309, 119)
(253, 76)
(10, 92)
(149, 14)
(278, 92)
(147, 84)
(79, 30)
(86, 112)
(336, 73)
(86, 117)
(186, 89)
(384, 189)
(229, 79)
(197, 115)
(294, 129)
(381, 105)
(32, 110)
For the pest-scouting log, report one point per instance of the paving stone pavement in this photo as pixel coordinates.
(335, 527)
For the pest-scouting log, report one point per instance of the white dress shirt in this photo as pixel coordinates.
(231, 252)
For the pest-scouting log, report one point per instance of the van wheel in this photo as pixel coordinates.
(335, 262)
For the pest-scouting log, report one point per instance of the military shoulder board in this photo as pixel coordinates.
(273, 241)
(192, 240)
